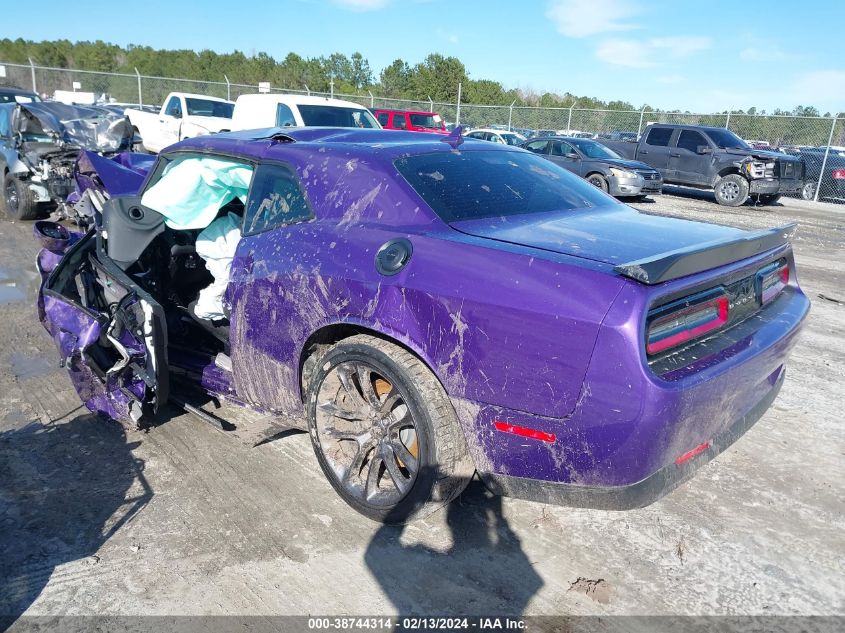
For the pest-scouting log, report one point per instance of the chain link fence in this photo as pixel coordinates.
(811, 137)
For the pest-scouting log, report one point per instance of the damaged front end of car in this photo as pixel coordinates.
(97, 178)
(46, 139)
(110, 333)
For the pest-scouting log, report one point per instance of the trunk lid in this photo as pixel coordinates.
(613, 235)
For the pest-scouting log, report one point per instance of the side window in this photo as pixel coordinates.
(560, 148)
(382, 118)
(399, 121)
(275, 199)
(284, 116)
(659, 136)
(538, 147)
(690, 140)
(174, 107)
(4, 122)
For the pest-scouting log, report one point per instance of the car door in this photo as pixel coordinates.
(398, 121)
(110, 333)
(655, 150)
(171, 122)
(262, 290)
(685, 163)
(563, 154)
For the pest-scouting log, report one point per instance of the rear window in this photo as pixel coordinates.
(486, 184)
(332, 116)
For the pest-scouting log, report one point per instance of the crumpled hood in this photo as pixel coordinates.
(86, 127)
(624, 163)
(613, 234)
(762, 154)
(211, 123)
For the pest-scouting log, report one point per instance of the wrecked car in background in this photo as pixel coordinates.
(714, 158)
(426, 309)
(39, 144)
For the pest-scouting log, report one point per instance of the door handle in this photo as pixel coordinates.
(675, 155)
(644, 152)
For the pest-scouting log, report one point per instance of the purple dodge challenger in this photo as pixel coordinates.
(427, 309)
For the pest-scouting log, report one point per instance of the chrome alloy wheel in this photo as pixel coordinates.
(367, 434)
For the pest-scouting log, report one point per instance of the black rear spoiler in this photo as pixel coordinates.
(694, 259)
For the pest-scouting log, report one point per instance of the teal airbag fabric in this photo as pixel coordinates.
(193, 188)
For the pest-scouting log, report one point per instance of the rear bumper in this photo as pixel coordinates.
(637, 495)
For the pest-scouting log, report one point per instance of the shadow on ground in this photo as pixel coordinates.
(485, 572)
(64, 491)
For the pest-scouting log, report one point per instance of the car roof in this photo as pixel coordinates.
(560, 137)
(404, 111)
(190, 95)
(16, 91)
(269, 143)
(494, 130)
(706, 128)
(300, 100)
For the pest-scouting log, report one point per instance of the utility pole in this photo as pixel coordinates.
(140, 96)
(32, 71)
(458, 110)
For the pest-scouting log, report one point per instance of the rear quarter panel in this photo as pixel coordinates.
(497, 324)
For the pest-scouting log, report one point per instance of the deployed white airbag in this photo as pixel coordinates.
(217, 245)
(192, 189)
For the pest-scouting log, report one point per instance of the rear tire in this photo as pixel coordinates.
(384, 431)
(731, 190)
(18, 199)
(599, 181)
(808, 191)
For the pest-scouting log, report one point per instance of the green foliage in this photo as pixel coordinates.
(436, 77)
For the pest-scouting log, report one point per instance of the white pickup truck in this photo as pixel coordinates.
(182, 116)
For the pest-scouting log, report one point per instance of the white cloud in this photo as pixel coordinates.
(648, 53)
(823, 88)
(752, 54)
(450, 37)
(669, 79)
(363, 5)
(682, 45)
(630, 53)
(582, 18)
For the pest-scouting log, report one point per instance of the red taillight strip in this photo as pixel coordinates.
(838, 174)
(698, 450)
(776, 279)
(721, 317)
(524, 431)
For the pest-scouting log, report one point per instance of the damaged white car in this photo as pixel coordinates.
(39, 144)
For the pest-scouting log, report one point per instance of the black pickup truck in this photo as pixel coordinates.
(714, 158)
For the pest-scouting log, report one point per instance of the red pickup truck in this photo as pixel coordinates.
(411, 120)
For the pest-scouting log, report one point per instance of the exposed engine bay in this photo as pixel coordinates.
(48, 137)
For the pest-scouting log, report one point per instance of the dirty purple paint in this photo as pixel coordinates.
(525, 323)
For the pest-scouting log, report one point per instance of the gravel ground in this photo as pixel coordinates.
(182, 520)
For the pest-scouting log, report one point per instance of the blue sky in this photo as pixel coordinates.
(698, 56)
